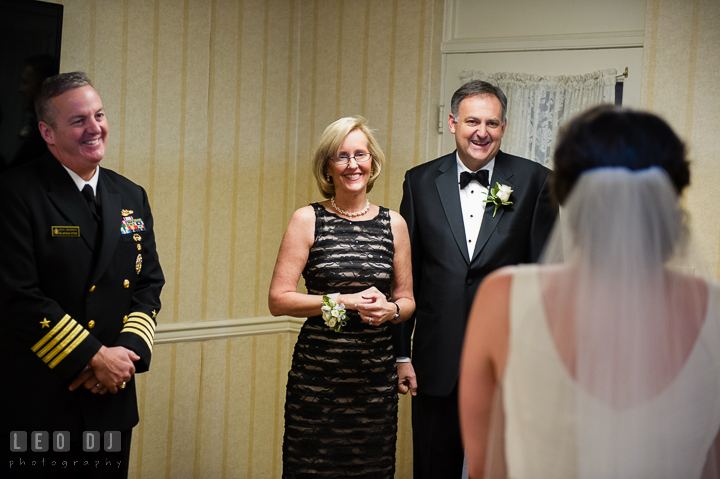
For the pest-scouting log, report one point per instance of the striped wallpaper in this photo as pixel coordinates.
(213, 107)
(681, 67)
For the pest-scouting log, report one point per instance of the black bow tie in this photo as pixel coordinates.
(479, 176)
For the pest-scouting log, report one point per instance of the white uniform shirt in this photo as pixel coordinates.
(80, 183)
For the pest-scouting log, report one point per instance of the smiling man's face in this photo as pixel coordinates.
(478, 130)
(79, 134)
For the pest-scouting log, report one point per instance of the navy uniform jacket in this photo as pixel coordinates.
(67, 287)
(445, 277)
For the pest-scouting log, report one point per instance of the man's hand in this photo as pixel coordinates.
(406, 378)
(88, 380)
(109, 368)
(86, 375)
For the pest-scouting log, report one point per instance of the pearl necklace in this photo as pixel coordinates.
(348, 213)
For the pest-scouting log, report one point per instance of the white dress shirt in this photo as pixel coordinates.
(80, 183)
(471, 203)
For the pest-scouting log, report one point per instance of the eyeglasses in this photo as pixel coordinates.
(345, 159)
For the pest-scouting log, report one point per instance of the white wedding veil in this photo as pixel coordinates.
(630, 387)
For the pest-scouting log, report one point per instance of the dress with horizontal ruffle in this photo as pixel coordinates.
(341, 403)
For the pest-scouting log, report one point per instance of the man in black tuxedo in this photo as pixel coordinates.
(80, 288)
(456, 241)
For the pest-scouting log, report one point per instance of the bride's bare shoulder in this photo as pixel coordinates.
(505, 274)
(502, 274)
(684, 283)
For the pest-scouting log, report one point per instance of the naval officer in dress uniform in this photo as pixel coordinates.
(80, 289)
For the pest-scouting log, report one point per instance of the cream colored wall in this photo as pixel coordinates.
(512, 25)
(213, 409)
(681, 72)
(213, 107)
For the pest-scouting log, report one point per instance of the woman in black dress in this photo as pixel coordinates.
(341, 403)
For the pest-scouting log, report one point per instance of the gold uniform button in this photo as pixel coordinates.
(126, 284)
(139, 247)
(91, 324)
(125, 318)
(92, 288)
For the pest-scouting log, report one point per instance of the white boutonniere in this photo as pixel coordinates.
(333, 314)
(499, 196)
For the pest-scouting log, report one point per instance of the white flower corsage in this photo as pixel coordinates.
(333, 313)
(499, 196)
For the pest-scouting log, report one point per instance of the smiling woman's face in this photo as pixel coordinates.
(352, 177)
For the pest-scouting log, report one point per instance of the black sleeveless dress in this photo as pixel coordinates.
(341, 403)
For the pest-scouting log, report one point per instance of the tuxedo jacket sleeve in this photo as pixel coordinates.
(69, 286)
(445, 277)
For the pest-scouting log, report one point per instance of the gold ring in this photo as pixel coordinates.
(98, 385)
(122, 386)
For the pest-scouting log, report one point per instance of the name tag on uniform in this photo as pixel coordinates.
(65, 231)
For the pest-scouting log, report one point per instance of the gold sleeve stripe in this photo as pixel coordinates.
(144, 316)
(51, 333)
(139, 329)
(140, 325)
(145, 324)
(140, 333)
(57, 338)
(70, 348)
(58, 349)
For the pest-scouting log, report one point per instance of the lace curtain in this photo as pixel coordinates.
(539, 105)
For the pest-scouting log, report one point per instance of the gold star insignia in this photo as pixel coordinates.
(154, 313)
(45, 323)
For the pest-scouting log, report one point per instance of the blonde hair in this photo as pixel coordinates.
(329, 144)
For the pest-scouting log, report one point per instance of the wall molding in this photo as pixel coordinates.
(579, 41)
(227, 328)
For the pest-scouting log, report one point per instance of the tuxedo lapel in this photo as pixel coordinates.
(501, 174)
(447, 186)
(64, 194)
(111, 218)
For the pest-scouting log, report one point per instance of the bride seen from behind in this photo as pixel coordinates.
(603, 361)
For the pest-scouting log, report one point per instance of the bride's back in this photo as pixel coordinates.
(678, 319)
(622, 348)
(560, 425)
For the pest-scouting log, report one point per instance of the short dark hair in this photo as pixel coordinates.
(609, 136)
(56, 86)
(477, 88)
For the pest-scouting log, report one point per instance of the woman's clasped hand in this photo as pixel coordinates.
(372, 306)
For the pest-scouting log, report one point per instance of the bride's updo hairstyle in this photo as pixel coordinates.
(612, 156)
(609, 136)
